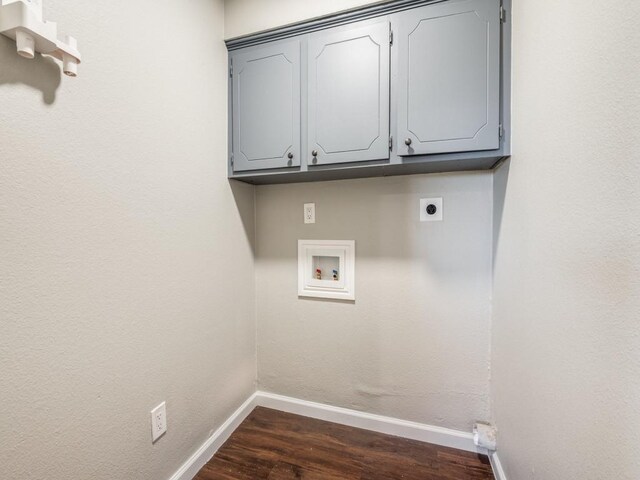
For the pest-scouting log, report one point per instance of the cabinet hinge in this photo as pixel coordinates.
(231, 158)
(391, 143)
(231, 70)
(503, 15)
(390, 37)
(500, 131)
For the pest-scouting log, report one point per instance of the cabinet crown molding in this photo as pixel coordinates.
(327, 21)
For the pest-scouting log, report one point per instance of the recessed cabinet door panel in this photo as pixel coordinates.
(449, 77)
(266, 107)
(349, 94)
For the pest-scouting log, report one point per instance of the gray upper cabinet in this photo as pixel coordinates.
(392, 88)
(266, 107)
(448, 94)
(348, 96)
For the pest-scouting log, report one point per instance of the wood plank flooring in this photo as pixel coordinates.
(274, 445)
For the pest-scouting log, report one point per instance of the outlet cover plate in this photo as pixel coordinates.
(309, 213)
(158, 421)
(437, 216)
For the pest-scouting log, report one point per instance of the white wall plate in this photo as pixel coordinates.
(309, 213)
(326, 269)
(431, 209)
(158, 421)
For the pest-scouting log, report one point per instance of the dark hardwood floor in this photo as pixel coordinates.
(274, 445)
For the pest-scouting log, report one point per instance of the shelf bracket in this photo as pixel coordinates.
(21, 20)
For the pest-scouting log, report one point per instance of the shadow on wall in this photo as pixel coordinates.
(500, 180)
(382, 217)
(243, 194)
(41, 73)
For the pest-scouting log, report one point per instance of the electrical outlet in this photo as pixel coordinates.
(309, 213)
(431, 210)
(158, 421)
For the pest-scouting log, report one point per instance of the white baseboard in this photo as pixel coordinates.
(498, 471)
(199, 459)
(368, 421)
(344, 416)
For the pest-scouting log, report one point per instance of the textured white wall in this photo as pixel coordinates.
(125, 258)
(250, 16)
(566, 341)
(415, 345)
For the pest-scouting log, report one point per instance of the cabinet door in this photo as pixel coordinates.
(349, 94)
(266, 107)
(448, 90)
